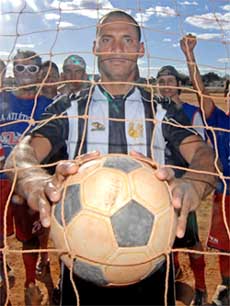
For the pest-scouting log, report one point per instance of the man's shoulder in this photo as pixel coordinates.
(64, 101)
(6, 94)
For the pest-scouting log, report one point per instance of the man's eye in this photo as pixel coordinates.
(105, 40)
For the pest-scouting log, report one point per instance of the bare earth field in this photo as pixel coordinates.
(212, 269)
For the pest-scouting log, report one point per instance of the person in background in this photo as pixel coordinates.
(169, 83)
(49, 73)
(2, 72)
(74, 70)
(4, 191)
(117, 47)
(219, 136)
(19, 110)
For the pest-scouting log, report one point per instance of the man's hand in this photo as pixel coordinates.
(184, 197)
(188, 43)
(41, 191)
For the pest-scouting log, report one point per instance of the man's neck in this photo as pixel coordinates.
(177, 99)
(117, 89)
(25, 93)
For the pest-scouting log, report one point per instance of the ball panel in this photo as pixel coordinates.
(160, 240)
(96, 239)
(157, 264)
(148, 193)
(121, 224)
(105, 191)
(128, 266)
(57, 234)
(125, 164)
(132, 225)
(71, 205)
(89, 272)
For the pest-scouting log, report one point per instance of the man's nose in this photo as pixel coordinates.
(117, 46)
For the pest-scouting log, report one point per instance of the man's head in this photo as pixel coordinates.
(50, 73)
(168, 79)
(74, 68)
(27, 65)
(118, 46)
(2, 72)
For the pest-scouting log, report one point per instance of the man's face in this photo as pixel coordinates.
(118, 48)
(52, 77)
(26, 72)
(170, 82)
(73, 72)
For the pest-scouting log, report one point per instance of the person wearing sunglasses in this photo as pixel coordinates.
(20, 109)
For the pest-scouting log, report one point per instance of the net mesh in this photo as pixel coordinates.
(72, 31)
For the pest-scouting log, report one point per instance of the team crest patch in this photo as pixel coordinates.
(135, 130)
(97, 126)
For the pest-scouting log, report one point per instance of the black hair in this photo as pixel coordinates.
(120, 13)
(50, 64)
(27, 54)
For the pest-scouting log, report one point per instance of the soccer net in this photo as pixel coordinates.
(57, 29)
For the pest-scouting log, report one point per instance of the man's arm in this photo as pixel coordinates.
(196, 183)
(188, 44)
(33, 183)
(23, 166)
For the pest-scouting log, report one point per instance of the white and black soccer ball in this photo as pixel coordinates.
(115, 222)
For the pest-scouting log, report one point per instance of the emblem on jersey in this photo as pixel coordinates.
(97, 126)
(135, 130)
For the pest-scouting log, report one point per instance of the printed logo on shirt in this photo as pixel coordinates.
(97, 126)
(135, 130)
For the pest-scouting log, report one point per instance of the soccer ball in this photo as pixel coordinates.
(115, 222)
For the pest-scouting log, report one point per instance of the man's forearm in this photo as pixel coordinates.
(23, 166)
(203, 162)
(194, 73)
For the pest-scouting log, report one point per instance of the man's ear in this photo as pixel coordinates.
(141, 50)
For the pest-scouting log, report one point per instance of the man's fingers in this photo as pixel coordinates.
(45, 212)
(17, 199)
(181, 226)
(165, 174)
(185, 208)
(177, 197)
(53, 191)
(88, 156)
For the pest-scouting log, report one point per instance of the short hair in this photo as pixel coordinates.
(119, 13)
(24, 54)
(169, 70)
(51, 64)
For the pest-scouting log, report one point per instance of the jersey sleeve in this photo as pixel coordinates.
(176, 126)
(54, 124)
(218, 118)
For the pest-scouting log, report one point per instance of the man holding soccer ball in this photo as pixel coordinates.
(117, 46)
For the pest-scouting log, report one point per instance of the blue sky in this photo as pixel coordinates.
(55, 29)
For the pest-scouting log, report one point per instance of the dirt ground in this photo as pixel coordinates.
(16, 294)
(185, 292)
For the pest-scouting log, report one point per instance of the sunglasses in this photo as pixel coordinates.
(32, 69)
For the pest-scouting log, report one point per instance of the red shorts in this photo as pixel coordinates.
(27, 222)
(5, 187)
(218, 235)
